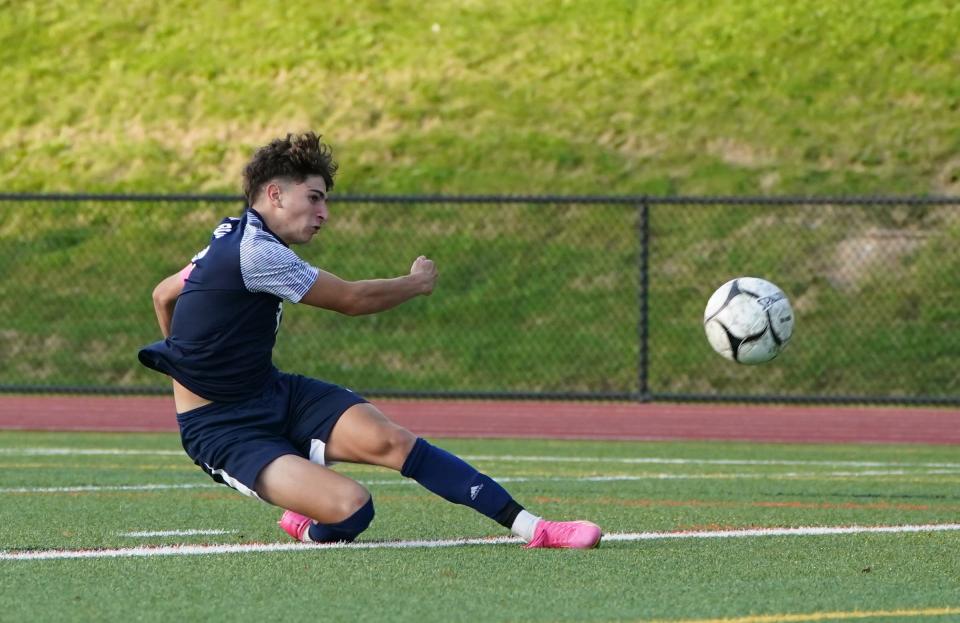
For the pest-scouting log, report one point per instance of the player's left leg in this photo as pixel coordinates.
(321, 505)
(365, 435)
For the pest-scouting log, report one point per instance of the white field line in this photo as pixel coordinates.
(175, 533)
(519, 479)
(665, 461)
(97, 488)
(804, 531)
(525, 458)
(696, 476)
(733, 475)
(194, 550)
(522, 479)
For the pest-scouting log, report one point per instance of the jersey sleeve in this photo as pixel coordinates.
(268, 266)
(185, 273)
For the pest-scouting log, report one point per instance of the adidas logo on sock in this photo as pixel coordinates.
(475, 491)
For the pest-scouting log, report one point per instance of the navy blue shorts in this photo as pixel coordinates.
(234, 441)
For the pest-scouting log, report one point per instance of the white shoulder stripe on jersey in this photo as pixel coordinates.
(266, 265)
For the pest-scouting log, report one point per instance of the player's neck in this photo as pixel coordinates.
(269, 218)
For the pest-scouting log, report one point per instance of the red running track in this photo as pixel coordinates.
(554, 420)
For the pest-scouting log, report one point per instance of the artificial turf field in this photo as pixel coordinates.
(674, 515)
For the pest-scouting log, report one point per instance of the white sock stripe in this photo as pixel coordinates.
(525, 525)
(194, 550)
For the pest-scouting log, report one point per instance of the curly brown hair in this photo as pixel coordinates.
(296, 157)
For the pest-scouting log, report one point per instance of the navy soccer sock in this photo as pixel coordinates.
(457, 481)
(346, 530)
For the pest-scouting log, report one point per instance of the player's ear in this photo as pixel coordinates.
(274, 193)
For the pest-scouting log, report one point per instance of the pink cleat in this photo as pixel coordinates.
(565, 534)
(296, 525)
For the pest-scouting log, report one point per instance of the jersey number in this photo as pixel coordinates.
(222, 230)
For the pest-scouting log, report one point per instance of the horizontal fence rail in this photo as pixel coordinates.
(543, 297)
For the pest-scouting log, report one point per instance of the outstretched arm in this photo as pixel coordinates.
(165, 298)
(355, 298)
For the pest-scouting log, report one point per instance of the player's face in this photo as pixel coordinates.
(304, 209)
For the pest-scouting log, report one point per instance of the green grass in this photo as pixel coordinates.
(624, 580)
(507, 96)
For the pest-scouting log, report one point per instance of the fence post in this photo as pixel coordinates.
(643, 294)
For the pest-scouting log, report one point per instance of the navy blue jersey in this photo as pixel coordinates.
(228, 314)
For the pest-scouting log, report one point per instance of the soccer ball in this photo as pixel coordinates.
(748, 320)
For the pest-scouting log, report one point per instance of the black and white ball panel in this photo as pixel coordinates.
(748, 320)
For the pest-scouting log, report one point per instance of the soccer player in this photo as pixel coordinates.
(269, 434)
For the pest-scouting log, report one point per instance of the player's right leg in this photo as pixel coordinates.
(322, 505)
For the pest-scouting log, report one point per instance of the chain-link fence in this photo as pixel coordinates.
(544, 297)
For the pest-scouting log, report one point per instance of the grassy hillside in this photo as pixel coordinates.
(748, 96)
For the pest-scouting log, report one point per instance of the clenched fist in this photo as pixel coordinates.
(426, 272)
